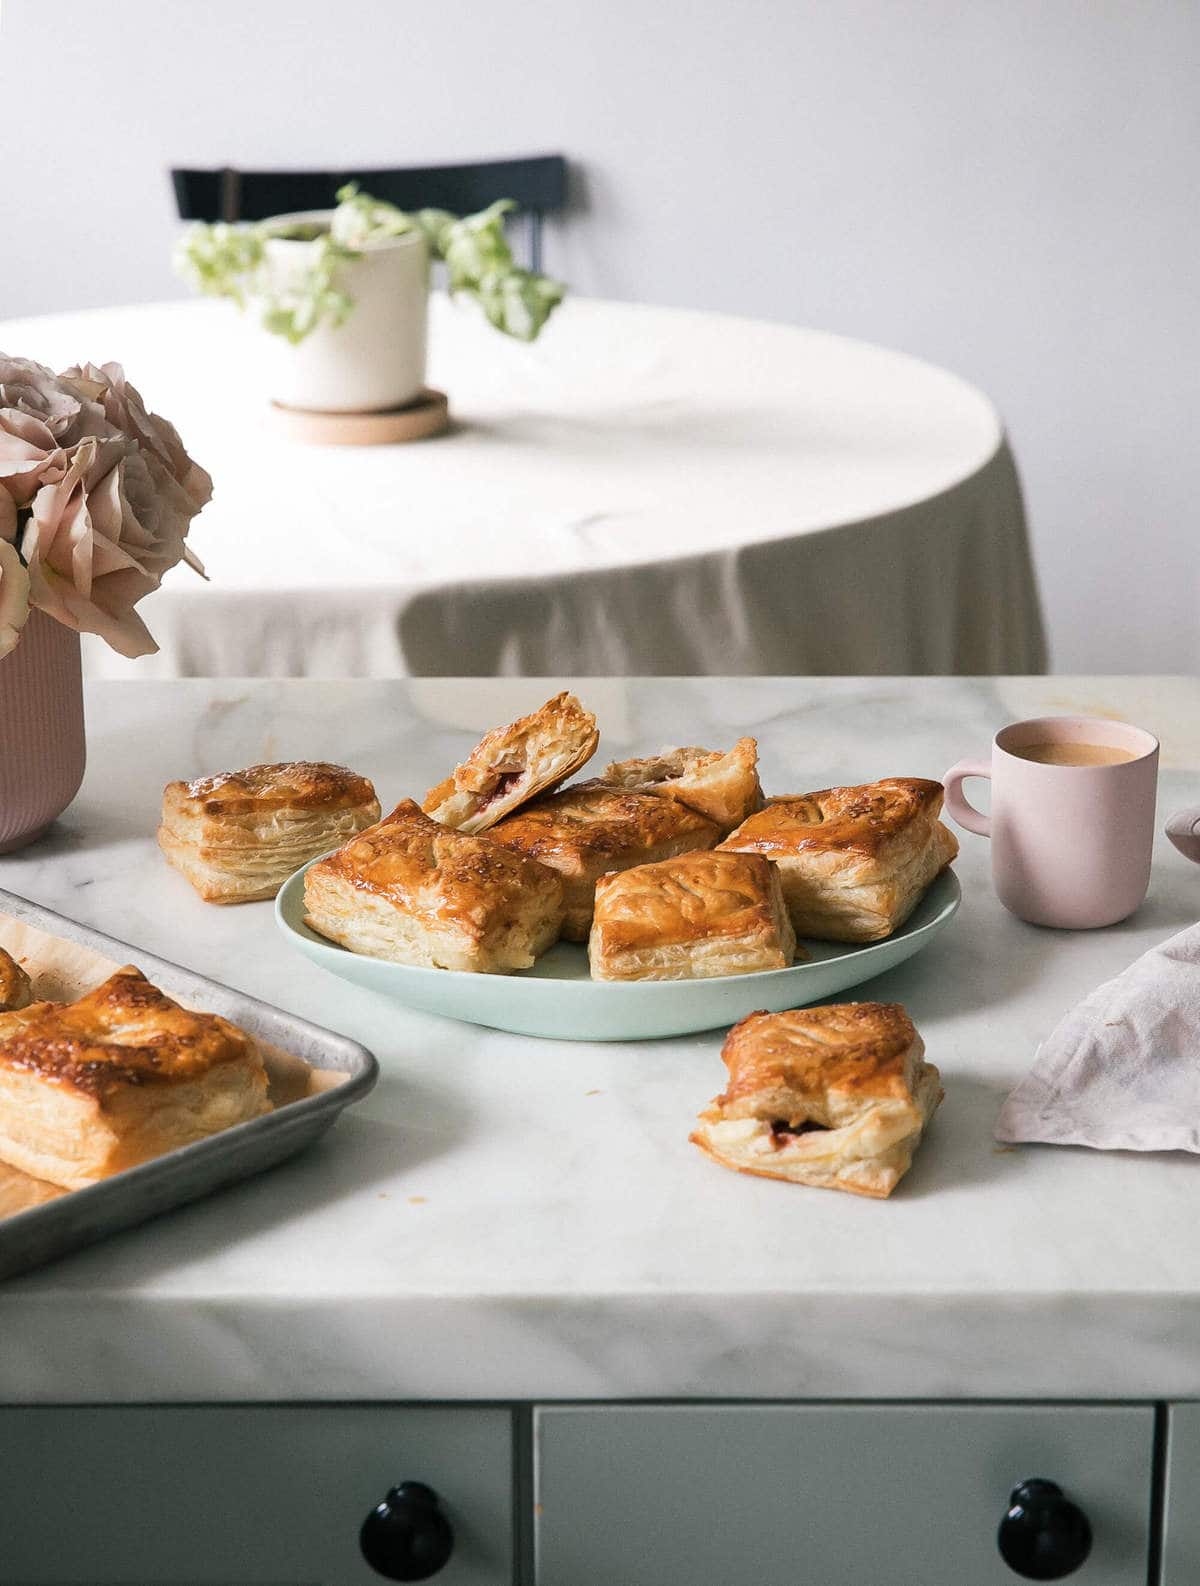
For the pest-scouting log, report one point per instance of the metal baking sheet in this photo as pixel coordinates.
(42, 1233)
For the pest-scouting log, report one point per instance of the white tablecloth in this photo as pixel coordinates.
(643, 491)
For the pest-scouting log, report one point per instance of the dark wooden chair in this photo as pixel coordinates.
(538, 184)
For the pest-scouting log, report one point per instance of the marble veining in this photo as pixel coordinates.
(505, 1217)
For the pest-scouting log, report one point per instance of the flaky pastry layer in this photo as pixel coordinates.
(118, 1077)
(415, 892)
(585, 831)
(690, 917)
(16, 989)
(238, 836)
(854, 861)
(511, 765)
(835, 1097)
(721, 784)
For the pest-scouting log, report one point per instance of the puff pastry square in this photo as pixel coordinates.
(587, 830)
(16, 989)
(239, 835)
(118, 1077)
(513, 764)
(835, 1096)
(416, 892)
(854, 861)
(689, 918)
(722, 784)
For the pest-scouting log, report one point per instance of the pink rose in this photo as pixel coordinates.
(14, 596)
(100, 538)
(98, 493)
(38, 416)
(124, 409)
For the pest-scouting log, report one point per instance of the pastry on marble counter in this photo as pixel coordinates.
(587, 830)
(16, 989)
(835, 1096)
(415, 892)
(511, 765)
(855, 861)
(121, 1075)
(691, 917)
(239, 835)
(722, 784)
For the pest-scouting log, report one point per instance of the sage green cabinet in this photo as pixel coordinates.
(827, 1495)
(242, 1495)
(1181, 1498)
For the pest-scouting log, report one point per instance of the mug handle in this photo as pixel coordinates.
(956, 802)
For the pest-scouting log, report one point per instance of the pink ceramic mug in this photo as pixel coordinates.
(1070, 843)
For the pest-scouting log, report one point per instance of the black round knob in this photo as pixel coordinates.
(407, 1537)
(1044, 1536)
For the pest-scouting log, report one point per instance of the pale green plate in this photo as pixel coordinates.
(557, 998)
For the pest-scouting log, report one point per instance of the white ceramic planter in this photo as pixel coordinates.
(375, 359)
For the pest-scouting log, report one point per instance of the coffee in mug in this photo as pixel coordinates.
(1072, 822)
(1052, 753)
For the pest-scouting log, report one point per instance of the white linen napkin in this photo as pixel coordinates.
(1122, 1070)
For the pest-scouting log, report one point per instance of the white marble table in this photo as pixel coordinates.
(509, 1219)
(642, 490)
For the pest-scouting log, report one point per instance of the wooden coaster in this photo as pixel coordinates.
(417, 421)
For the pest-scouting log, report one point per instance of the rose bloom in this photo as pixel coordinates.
(110, 493)
(14, 596)
(158, 440)
(90, 556)
(38, 416)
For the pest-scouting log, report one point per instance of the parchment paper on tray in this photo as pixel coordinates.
(62, 970)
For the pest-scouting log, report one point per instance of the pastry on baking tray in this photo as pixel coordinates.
(418, 893)
(854, 861)
(722, 784)
(117, 1077)
(835, 1096)
(510, 765)
(690, 917)
(239, 835)
(16, 990)
(585, 831)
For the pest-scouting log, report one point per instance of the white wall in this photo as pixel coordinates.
(1008, 187)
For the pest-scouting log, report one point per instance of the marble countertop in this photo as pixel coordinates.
(509, 1218)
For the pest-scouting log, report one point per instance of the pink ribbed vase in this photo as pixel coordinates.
(42, 749)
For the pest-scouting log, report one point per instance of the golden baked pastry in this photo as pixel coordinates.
(239, 835)
(415, 892)
(722, 784)
(854, 861)
(118, 1077)
(834, 1096)
(587, 830)
(689, 918)
(510, 765)
(16, 989)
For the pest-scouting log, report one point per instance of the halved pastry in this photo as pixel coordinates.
(510, 765)
(587, 830)
(834, 1096)
(118, 1077)
(239, 835)
(415, 892)
(722, 784)
(16, 989)
(854, 861)
(690, 917)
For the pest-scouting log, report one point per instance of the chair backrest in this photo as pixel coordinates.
(538, 184)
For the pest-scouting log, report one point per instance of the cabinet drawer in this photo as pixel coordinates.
(243, 1495)
(823, 1495)
(1181, 1511)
